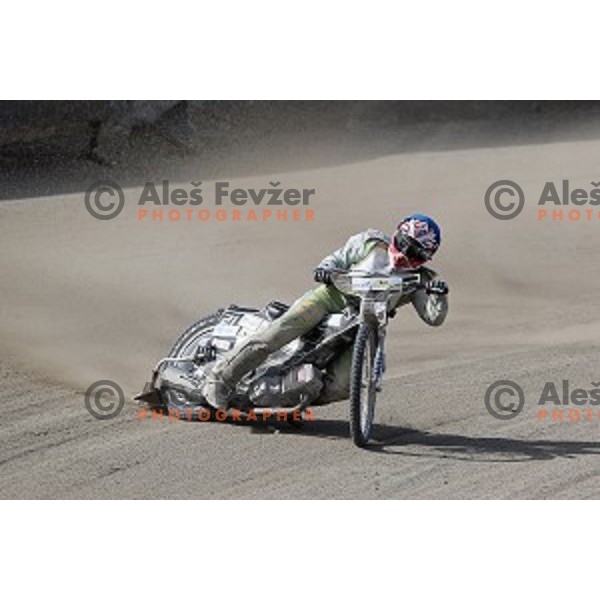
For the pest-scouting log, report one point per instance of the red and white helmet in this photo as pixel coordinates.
(415, 241)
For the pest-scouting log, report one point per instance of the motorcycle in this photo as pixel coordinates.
(294, 377)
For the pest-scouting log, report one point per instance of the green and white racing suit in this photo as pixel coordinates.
(366, 251)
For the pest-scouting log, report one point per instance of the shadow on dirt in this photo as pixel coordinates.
(395, 440)
(411, 442)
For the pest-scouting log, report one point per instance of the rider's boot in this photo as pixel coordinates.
(220, 384)
(216, 392)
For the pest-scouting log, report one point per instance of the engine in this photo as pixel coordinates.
(286, 389)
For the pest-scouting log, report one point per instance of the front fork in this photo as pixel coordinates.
(376, 314)
(379, 365)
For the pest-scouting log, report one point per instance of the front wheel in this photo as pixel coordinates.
(362, 385)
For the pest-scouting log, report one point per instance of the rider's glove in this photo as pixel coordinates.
(322, 275)
(436, 287)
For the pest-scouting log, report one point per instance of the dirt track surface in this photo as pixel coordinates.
(84, 300)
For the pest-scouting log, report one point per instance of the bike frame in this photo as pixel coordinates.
(378, 294)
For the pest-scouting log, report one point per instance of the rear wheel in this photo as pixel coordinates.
(188, 340)
(362, 385)
(179, 397)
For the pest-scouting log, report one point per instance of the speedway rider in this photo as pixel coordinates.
(415, 241)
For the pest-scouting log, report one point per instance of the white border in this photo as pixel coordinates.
(463, 49)
(253, 549)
